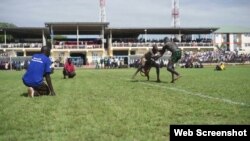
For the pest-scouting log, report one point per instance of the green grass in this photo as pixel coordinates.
(106, 105)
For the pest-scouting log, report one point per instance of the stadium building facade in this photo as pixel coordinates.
(91, 41)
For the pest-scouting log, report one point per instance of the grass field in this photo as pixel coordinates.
(105, 105)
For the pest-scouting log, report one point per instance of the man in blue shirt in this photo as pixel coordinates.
(38, 68)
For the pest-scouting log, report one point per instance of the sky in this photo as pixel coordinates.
(127, 13)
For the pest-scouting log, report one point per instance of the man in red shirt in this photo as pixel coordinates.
(69, 69)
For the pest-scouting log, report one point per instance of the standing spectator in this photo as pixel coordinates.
(69, 69)
(26, 64)
(52, 66)
(39, 67)
(18, 65)
(102, 61)
(6, 65)
(97, 64)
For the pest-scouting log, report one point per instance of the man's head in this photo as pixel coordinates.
(69, 60)
(155, 49)
(166, 40)
(45, 50)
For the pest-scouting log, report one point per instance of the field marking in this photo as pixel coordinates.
(197, 94)
(191, 93)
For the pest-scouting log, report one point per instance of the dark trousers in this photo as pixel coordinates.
(147, 67)
(43, 89)
(69, 74)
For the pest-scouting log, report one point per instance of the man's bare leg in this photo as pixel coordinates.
(139, 69)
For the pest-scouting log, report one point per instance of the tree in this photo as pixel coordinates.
(60, 37)
(5, 25)
(2, 24)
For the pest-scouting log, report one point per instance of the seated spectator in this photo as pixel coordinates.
(69, 69)
(220, 67)
(198, 65)
(189, 64)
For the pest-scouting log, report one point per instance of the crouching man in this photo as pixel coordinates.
(69, 69)
(39, 68)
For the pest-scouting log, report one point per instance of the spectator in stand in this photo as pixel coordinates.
(69, 69)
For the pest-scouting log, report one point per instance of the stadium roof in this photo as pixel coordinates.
(135, 32)
(69, 28)
(25, 32)
(94, 28)
(233, 29)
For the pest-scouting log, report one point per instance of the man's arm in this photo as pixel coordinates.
(66, 67)
(74, 69)
(156, 56)
(163, 49)
(48, 80)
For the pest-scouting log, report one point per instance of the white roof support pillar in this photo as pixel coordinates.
(5, 37)
(102, 37)
(77, 36)
(110, 39)
(43, 38)
(52, 36)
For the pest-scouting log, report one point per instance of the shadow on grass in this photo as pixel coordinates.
(146, 81)
(24, 94)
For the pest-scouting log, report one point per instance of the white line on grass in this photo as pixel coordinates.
(198, 94)
(195, 94)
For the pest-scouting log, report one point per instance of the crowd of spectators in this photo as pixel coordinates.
(197, 59)
(21, 45)
(111, 62)
(160, 42)
(116, 42)
(81, 44)
(14, 65)
(216, 56)
(190, 58)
